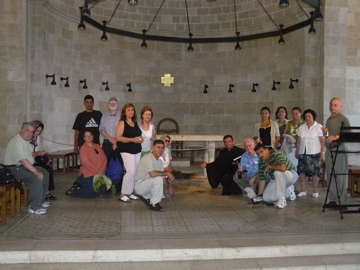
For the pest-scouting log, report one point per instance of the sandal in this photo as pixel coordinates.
(70, 190)
(125, 199)
(50, 197)
(133, 197)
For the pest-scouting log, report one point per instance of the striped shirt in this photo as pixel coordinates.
(275, 158)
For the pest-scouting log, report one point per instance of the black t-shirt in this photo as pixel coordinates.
(88, 121)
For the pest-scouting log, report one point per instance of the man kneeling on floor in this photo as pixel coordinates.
(149, 177)
(280, 171)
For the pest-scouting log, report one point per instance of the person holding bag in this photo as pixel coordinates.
(41, 159)
(93, 166)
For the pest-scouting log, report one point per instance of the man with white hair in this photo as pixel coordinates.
(18, 157)
(248, 172)
(108, 124)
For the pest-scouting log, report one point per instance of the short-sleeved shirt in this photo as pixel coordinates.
(16, 150)
(310, 143)
(250, 164)
(276, 157)
(109, 123)
(88, 121)
(147, 164)
(334, 122)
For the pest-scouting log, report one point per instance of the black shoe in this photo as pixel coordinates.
(332, 204)
(157, 207)
(145, 201)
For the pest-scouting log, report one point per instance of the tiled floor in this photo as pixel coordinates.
(197, 217)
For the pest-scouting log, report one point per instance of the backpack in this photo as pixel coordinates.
(115, 169)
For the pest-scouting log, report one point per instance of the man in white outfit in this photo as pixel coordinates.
(149, 177)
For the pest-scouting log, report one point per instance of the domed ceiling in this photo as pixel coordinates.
(204, 19)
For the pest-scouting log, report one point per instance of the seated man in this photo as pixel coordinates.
(280, 171)
(224, 167)
(149, 177)
(248, 171)
(20, 160)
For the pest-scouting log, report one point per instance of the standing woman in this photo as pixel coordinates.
(291, 135)
(38, 150)
(310, 152)
(148, 130)
(281, 117)
(267, 131)
(128, 137)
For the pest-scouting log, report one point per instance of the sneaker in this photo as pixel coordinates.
(315, 195)
(281, 203)
(291, 193)
(257, 200)
(39, 211)
(250, 193)
(45, 204)
(157, 207)
(302, 193)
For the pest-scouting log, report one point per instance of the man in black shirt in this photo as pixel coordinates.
(224, 167)
(86, 120)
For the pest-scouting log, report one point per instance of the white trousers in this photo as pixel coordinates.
(150, 188)
(131, 161)
(276, 188)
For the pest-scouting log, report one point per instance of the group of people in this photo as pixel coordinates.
(281, 153)
(143, 156)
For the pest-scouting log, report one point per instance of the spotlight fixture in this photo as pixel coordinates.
(253, 89)
(284, 3)
(104, 36)
(67, 81)
(281, 39)
(312, 30)
(107, 85)
(132, 2)
(190, 48)
(205, 88)
(86, 10)
(291, 86)
(53, 82)
(84, 82)
(143, 44)
(274, 83)
(129, 85)
(318, 15)
(230, 88)
(237, 46)
(81, 25)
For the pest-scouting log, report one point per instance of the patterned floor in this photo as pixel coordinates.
(196, 211)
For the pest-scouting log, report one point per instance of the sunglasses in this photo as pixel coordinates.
(167, 141)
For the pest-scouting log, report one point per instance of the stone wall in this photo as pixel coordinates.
(50, 43)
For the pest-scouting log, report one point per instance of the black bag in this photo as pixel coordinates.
(41, 160)
(6, 175)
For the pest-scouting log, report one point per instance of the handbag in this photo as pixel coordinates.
(6, 175)
(41, 160)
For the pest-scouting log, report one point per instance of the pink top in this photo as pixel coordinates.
(92, 159)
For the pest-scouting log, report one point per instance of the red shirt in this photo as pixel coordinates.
(92, 159)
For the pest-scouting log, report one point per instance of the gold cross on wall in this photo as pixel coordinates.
(167, 80)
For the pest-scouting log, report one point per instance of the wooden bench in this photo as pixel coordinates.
(354, 180)
(9, 203)
(68, 161)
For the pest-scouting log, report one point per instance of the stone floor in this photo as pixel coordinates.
(197, 219)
